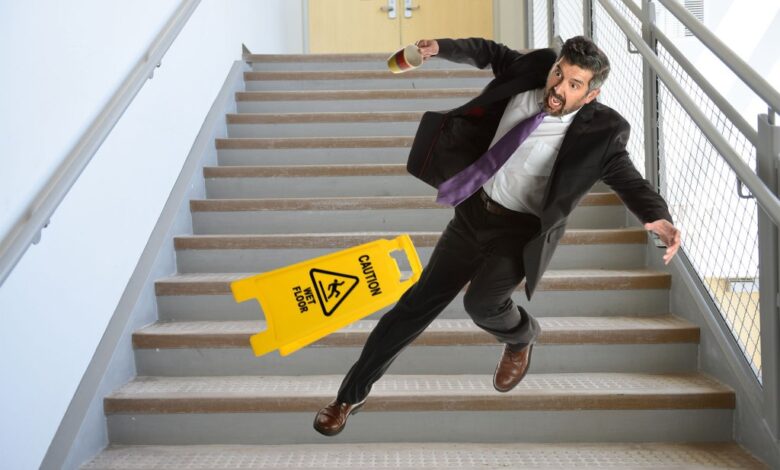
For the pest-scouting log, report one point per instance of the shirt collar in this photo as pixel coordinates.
(566, 118)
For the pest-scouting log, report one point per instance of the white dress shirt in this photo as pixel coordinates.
(520, 183)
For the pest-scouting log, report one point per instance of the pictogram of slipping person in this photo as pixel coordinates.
(514, 162)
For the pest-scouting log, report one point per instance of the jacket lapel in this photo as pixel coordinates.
(577, 129)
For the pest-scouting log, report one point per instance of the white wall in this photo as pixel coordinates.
(61, 63)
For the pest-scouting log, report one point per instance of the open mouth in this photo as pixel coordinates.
(553, 102)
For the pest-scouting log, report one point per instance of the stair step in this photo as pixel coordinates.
(313, 151)
(297, 171)
(593, 391)
(366, 79)
(336, 95)
(352, 203)
(314, 143)
(350, 214)
(430, 455)
(352, 100)
(555, 330)
(266, 125)
(569, 279)
(339, 62)
(208, 348)
(578, 249)
(307, 118)
(340, 75)
(309, 181)
(628, 235)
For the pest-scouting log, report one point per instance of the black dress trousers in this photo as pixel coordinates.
(477, 246)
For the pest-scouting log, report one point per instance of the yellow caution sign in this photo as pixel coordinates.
(309, 300)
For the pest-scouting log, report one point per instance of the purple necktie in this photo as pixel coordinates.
(462, 185)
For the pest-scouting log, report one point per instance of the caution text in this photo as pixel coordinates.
(370, 275)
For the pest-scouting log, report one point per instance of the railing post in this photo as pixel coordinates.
(768, 169)
(650, 99)
(550, 22)
(587, 18)
(529, 25)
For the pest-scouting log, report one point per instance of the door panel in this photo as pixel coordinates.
(448, 19)
(350, 26)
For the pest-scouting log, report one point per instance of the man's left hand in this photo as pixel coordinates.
(668, 234)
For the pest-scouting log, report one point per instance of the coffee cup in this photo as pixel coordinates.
(403, 60)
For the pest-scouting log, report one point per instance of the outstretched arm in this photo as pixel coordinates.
(620, 174)
(474, 51)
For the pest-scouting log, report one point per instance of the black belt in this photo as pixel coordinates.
(495, 208)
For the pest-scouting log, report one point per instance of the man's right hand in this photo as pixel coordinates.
(428, 48)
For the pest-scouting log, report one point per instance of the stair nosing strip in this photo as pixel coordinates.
(343, 95)
(697, 391)
(352, 203)
(668, 329)
(324, 117)
(625, 236)
(250, 143)
(552, 280)
(255, 75)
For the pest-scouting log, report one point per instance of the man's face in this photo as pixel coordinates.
(567, 88)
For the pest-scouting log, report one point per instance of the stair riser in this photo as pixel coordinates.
(431, 426)
(545, 304)
(367, 84)
(345, 105)
(401, 220)
(650, 358)
(612, 256)
(316, 186)
(325, 66)
(314, 156)
(324, 129)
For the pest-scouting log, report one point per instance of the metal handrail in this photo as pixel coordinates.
(696, 76)
(765, 197)
(722, 103)
(39, 211)
(741, 68)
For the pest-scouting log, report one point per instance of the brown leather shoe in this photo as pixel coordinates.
(512, 368)
(332, 419)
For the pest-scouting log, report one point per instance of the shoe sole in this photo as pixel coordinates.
(531, 350)
(353, 411)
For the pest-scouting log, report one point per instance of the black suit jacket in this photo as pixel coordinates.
(593, 148)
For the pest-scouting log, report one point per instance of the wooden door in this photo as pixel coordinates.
(431, 19)
(349, 26)
(352, 26)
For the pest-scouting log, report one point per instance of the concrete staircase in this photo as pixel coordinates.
(314, 162)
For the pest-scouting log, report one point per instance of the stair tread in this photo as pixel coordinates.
(433, 455)
(555, 330)
(312, 142)
(306, 118)
(258, 171)
(366, 74)
(344, 240)
(354, 203)
(318, 57)
(313, 95)
(554, 391)
(561, 279)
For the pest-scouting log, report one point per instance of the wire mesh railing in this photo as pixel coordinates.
(718, 220)
(720, 226)
(623, 89)
(539, 26)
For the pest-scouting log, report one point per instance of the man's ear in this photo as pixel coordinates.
(592, 94)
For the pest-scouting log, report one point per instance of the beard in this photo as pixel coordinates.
(561, 109)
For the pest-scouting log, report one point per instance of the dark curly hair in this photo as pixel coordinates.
(583, 52)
